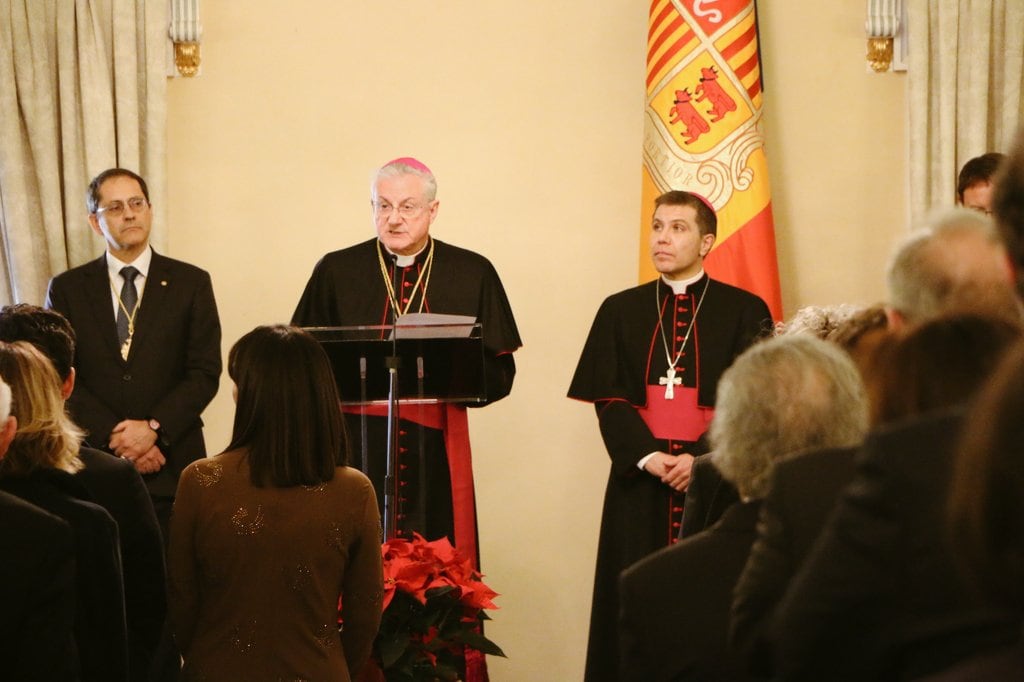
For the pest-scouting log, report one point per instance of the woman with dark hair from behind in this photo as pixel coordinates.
(986, 510)
(269, 535)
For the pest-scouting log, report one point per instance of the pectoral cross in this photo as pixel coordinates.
(669, 381)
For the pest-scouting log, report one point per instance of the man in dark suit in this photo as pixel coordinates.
(880, 596)
(37, 589)
(956, 264)
(801, 492)
(148, 356)
(114, 484)
(37, 582)
(707, 497)
(780, 396)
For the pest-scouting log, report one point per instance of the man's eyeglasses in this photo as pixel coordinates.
(406, 209)
(117, 208)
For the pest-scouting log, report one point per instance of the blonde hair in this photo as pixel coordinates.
(5, 400)
(46, 436)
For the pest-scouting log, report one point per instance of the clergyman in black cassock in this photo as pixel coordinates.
(643, 408)
(364, 285)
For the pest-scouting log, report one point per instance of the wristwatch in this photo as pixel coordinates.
(155, 425)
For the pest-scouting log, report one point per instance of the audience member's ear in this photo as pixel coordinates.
(1011, 271)
(10, 426)
(896, 321)
(68, 387)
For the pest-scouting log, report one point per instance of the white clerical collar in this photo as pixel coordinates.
(405, 261)
(114, 264)
(679, 286)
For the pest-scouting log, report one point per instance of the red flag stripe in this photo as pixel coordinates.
(747, 66)
(740, 42)
(663, 36)
(755, 88)
(678, 45)
(657, 21)
(730, 261)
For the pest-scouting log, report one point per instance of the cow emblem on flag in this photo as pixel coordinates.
(702, 132)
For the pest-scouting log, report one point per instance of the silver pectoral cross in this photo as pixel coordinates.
(669, 381)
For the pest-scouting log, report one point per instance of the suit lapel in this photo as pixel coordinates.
(98, 291)
(154, 298)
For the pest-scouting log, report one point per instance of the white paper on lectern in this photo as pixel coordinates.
(434, 326)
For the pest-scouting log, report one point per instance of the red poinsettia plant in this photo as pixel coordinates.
(434, 604)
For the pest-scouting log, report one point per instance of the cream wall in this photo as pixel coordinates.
(837, 153)
(530, 115)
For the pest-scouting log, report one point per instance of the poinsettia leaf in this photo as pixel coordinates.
(446, 672)
(435, 610)
(425, 670)
(392, 647)
(475, 640)
(436, 592)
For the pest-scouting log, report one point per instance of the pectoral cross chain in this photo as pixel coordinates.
(670, 381)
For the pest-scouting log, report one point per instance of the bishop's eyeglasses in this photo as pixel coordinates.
(406, 209)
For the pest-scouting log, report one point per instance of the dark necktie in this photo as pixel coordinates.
(129, 299)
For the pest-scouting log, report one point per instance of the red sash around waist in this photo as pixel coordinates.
(678, 419)
(451, 419)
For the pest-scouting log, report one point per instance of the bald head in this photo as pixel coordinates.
(956, 262)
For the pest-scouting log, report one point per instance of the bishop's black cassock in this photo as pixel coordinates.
(347, 288)
(623, 371)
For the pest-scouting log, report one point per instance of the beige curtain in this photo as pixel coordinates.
(82, 89)
(966, 67)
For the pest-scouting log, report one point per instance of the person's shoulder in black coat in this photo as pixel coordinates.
(802, 491)
(674, 605)
(707, 496)
(116, 486)
(37, 594)
(880, 593)
(100, 633)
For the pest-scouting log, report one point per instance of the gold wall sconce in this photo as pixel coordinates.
(185, 32)
(885, 27)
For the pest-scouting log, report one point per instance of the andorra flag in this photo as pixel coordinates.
(702, 134)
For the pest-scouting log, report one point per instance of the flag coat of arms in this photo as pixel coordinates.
(702, 134)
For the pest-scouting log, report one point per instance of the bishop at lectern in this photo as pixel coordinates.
(405, 270)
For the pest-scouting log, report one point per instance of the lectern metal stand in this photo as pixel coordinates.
(373, 367)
